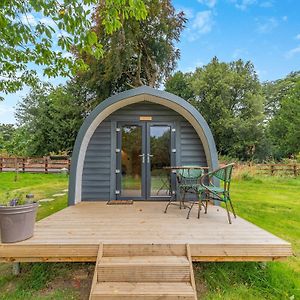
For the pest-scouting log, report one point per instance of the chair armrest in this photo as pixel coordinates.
(202, 178)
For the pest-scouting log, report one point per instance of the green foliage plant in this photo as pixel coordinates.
(46, 32)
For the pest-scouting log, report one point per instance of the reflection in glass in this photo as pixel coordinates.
(160, 148)
(131, 180)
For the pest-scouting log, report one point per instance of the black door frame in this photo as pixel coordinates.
(145, 166)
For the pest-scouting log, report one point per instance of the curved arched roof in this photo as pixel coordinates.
(111, 104)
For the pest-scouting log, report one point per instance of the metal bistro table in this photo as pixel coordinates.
(192, 180)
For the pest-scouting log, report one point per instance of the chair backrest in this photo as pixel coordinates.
(223, 173)
(188, 176)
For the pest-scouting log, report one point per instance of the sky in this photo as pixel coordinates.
(266, 32)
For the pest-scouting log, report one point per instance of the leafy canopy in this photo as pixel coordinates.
(50, 118)
(44, 32)
(229, 97)
(284, 127)
(141, 52)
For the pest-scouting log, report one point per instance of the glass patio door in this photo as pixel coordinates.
(131, 161)
(143, 150)
(159, 156)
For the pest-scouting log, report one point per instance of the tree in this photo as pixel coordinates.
(41, 31)
(180, 85)
(19, 143)
(276, 91)
(6, 135)
(284, 126)
(229, 97)
(6, 131)
(51, 118)
(141, 52)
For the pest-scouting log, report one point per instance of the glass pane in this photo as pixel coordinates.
(131, 180)
(160, 149)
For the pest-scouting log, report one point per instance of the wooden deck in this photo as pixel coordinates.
(74, 234)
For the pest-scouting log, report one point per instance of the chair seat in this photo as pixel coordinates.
(216, 189)
(191, 187)
(199, 188)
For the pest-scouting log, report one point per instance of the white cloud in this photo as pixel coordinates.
(7, 113)
(209, 3)
(203, 22)
(48, 22)
(291, 53)
(297, 37)
(240, 53)
(189, 69)
(5, 109)
(243, 4)
(67, 54)
(267, 25)
(266, 4)
(29, 19)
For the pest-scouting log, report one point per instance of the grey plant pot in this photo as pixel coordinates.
(17, 222)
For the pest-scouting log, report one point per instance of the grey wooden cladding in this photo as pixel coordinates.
(97, 166)
(99, 158)
(192, 152)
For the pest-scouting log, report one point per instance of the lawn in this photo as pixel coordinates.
(270, 202)
(43, 186)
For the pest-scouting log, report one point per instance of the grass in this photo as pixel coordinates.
(273, 204)
(270, 202)
(41, 185)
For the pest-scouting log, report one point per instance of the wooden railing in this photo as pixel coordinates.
(49, 164)
(277, 169)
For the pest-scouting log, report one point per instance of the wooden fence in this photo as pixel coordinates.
(35, 164)
(54, 164)
(279, 169)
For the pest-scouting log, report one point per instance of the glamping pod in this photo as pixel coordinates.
(126, 144)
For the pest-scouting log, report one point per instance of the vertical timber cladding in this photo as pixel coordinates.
(99, 162)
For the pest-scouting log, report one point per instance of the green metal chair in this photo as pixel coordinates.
(217, 193)
(188, 181)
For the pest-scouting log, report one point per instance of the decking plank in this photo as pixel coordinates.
(74, 234)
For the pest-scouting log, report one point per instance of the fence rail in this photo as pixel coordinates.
(54, 164)
(276, 169)
(35, 164)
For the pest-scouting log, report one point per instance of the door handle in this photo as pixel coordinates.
(143, 157)
(148, 157)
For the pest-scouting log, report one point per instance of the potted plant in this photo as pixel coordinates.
(17, 218)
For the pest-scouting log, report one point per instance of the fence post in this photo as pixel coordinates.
(295, 170)
(46, 165)
(272, 170)
(69, 164)
(23, 164)
(16, 169)
(1, 163)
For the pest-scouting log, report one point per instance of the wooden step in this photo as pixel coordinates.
(144, 250)
(144, 269)
(143, 290)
